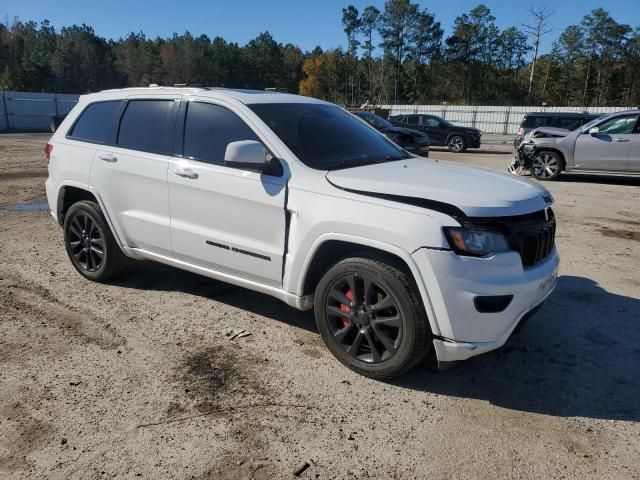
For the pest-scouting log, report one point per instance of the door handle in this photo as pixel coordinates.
(108, 157)
(622, 139)
(186, 173)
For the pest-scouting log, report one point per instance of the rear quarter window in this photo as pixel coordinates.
(96, 123)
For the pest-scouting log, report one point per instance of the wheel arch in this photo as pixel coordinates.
(72, 192)
(455, 134)
(331, 248)
(554, 150)
(67, 196)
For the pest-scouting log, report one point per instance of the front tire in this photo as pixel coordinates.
(457, 144)
(547, 165)
(371, 317)
(91, 246)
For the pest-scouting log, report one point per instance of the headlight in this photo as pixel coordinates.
(468, 241)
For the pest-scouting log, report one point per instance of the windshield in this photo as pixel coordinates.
(588, 125)
(446, 122)
(375, 120)
(325, 137)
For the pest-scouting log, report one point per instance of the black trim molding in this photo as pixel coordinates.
(434, 205)
(238, 250)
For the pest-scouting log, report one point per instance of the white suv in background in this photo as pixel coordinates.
(295, 197)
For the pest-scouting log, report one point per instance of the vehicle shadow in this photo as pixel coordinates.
(154, 276)
(579, 356)
(604, 179)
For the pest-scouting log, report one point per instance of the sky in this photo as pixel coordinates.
(306, 23)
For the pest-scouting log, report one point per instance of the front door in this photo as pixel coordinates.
(435, 129)
(634, 155)
(226, 219)
(610, 148)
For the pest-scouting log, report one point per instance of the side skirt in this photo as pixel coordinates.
(301, 303)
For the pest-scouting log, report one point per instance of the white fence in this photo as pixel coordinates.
(489, 119)
(27, 111)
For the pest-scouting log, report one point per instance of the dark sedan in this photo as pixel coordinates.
(411, 140)
(440, 131)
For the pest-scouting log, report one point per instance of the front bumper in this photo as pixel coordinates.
(474, 142)
(453, 282)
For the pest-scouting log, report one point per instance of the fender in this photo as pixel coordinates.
(92, 191)
(368, 242)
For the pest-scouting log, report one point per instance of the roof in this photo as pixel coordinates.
(241, 95)
(564, 114)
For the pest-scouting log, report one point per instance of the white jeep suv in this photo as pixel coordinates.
(398, 255)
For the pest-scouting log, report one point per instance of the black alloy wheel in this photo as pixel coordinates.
(92, 248)
(364, 318)
(86, 241)
(371, 316)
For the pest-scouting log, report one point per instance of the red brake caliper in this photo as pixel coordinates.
(346, 308)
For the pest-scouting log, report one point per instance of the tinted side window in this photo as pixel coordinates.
(430, 122)
(209, 129)
(96, 123)
(536, 121)
(146, 126)
(619, 125)
(412, 120)
(570, 123)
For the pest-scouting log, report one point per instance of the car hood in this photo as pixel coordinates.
(550, 131)
(475, 191)
(403, 131)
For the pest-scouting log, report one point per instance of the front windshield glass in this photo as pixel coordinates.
(325, 137)
(375, 120)
(588, 125)
(446, 122)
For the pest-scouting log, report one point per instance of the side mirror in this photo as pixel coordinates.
(442, 125)
(246, 155)
(593, 131)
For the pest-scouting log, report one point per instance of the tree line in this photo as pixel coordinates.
(395, 55)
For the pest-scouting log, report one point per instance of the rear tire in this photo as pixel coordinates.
(547, 165)
(381, 330)
(91, 246)
(457, 144)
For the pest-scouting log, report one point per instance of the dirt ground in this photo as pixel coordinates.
(137, 379)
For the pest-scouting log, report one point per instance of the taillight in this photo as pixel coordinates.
(520, 132)
(47, 151)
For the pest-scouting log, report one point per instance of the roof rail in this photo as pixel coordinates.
(190, 85)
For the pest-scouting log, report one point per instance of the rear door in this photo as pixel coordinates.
(131, 174)
(227, 219)
(609, 149)
(95, 127)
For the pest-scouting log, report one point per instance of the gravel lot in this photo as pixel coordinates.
(137, 379)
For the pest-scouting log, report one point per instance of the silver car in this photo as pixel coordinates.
(606, 144)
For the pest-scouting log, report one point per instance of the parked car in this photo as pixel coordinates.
(610, 143)
(440, 131)
(298, 199)
(411, 140)
(566, 120)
